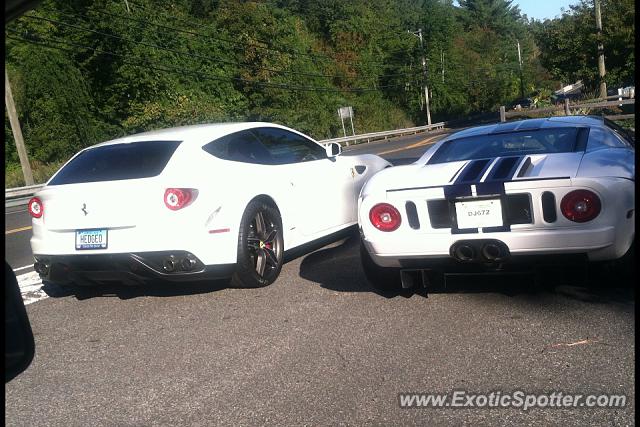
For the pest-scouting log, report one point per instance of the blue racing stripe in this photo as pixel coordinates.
(473, 171)
(505, 169)
(490, 188)
(453, 191)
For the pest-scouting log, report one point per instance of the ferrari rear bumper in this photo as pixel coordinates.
(128, 268)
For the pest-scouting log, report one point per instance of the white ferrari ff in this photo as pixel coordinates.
(501, 197)
(194, 202)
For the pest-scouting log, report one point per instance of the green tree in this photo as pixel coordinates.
(569, 44)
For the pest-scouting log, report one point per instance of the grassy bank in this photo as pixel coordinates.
(41, 173)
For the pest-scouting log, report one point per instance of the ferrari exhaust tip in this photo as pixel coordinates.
(188, 263)
(169, 264)
(41, 268)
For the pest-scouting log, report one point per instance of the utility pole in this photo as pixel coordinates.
(520, 65)
(17, 133)
(424, 70)
(442, 63)
(601, 69)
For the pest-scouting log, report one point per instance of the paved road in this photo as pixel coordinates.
(320, 347)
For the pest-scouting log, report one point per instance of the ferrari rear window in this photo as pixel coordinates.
(142, 159)
(540, 141)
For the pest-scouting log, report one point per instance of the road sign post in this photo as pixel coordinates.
(344, 113)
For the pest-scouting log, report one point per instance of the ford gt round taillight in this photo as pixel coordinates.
(580, 205)
(177, 198)
(35, 207)
(385, 217)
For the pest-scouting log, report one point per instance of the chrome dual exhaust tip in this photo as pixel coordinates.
(493, 252)
(173, 263)
(482, 250)
(464, 253)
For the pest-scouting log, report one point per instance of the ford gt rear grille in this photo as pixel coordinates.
(517, 211)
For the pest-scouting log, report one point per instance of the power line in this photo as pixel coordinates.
(284, 50)
(217, 38)
(181, 71)
(235, 42)
(209, 58)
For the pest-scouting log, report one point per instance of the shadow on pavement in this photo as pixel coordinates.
(592, 291)
(338, 268)
(124, 292)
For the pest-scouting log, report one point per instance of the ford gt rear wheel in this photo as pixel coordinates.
(381, 278)
(260, 246)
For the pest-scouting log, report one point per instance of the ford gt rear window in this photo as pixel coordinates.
(540, 141)
(142, 159)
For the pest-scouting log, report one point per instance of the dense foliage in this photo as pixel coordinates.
(569, 45)
(85, 71)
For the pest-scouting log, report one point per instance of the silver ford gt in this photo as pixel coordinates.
(498, 197)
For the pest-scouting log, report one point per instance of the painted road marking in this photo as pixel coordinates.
(416, 145)
(17, 230)
(31, 288)
(23, 268)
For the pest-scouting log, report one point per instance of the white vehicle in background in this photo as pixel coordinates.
(192, 203)
(502, 197)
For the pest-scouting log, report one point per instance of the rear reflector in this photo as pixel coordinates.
(219, 230)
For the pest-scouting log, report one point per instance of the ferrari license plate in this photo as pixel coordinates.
(479, 213)
(91, 239)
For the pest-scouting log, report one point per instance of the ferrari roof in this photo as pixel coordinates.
(192, 132)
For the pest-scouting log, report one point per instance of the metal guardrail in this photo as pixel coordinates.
(21, 192)
(384, 134)
(19, 201)
(19, 196)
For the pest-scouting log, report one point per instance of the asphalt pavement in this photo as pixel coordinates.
(321, 347)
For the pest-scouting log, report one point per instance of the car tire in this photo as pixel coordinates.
(260, 246)
(381, 278)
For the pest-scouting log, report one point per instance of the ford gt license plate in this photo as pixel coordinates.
(479, 213)
(91, 239)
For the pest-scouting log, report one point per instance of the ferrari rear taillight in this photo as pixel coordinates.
(385, 217)
(36, 209)
(580, 205)
(178, 198)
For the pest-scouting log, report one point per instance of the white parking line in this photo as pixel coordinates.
(31, 287)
